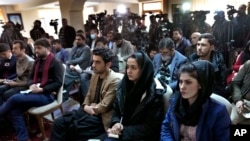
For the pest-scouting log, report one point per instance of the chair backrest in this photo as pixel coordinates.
(60, 92)
(223, 101)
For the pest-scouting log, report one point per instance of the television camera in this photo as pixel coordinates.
(54, 23)
(231, 11)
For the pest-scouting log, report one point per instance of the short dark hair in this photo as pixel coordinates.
(95, 30)
(106, 53)
(42, 42)
(117, 36)
(110, 32)
(166, 43)
(80, 31)
(4, 47)
(22, 44)
(38, 21)
(101, 39)
(80, 35)
(56, 41)
(178, 29)
(208, 36)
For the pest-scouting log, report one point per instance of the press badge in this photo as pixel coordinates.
(7, 64)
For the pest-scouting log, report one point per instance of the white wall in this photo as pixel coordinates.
(110, 6)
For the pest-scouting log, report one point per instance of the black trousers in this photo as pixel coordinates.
(75, 126)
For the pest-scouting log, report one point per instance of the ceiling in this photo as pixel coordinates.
(12, 2)
(90, 2)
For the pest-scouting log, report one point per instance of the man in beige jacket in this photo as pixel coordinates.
(24, 67)
(93, 118)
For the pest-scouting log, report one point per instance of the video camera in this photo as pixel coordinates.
(54, 23)
(99, 19)
(199, 15)
(231, 11)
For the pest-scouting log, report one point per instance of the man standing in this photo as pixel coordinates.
(47, 78)
(205, 51)
(93, 118)
(67, 34)
(80, 55)
(24, 67)
(37, 32)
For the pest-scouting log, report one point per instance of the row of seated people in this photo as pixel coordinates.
(132, 108)
(91, 109)
(43, 80)
(166, 62)
(205, 51)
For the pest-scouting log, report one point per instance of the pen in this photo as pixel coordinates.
(121, 120)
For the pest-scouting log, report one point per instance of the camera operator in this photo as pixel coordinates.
(222, 34)
(241, 27)
(199, 22)
(110, 26)
(140, 38)
(153, 29)
(10, 33)
(67, 34)
(165, 26)
(37, 32)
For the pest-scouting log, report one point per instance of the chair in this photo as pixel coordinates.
(223, 101)
(41, 111)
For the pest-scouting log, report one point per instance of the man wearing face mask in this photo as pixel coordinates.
(122, 48)
(93, 37)
(167, 62)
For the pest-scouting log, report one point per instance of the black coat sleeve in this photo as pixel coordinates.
(55, 78)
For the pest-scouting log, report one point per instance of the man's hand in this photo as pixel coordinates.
(12, 83)
(239, 106)
(72, 67)
(1, 81)
(35, 88)
(89, 110)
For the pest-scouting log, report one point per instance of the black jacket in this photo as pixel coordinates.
(55, 76)
(219, 69)
(145, 123)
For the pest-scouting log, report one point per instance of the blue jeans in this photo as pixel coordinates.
(7, 91)
(19, 103)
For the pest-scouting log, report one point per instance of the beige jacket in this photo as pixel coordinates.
(107, 95)
(23, 70)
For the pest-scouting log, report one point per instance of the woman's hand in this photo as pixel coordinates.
(116, 129)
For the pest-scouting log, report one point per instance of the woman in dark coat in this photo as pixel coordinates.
(139, 105)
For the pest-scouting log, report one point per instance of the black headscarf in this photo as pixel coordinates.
(189, 114)
(133, 91)
(246, 53)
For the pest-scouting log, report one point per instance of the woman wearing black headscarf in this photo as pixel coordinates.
(193, 115)
(139, 105)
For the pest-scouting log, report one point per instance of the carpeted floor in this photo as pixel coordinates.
(7, 132)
